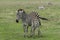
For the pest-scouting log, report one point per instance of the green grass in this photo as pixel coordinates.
(10, 30)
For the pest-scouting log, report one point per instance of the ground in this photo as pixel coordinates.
(10, 30)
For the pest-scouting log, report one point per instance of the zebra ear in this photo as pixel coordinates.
(21, 11)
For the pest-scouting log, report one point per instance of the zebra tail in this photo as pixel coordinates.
(43, 18)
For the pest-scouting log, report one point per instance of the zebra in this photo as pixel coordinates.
(32, 19)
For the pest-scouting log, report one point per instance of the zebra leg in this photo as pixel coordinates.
(32, 32)
(25, 27)
(39, 32)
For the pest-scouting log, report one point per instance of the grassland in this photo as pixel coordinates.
(10, 30)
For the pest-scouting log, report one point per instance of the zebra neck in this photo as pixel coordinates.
(24, 16)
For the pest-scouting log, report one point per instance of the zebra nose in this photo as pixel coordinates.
(17, 21)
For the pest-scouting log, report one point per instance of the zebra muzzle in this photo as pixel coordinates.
(17, 21)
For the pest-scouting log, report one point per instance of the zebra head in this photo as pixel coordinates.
(19, 14)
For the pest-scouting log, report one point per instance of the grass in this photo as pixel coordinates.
(10, 30)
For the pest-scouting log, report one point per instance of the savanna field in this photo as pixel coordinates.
(10, 30)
